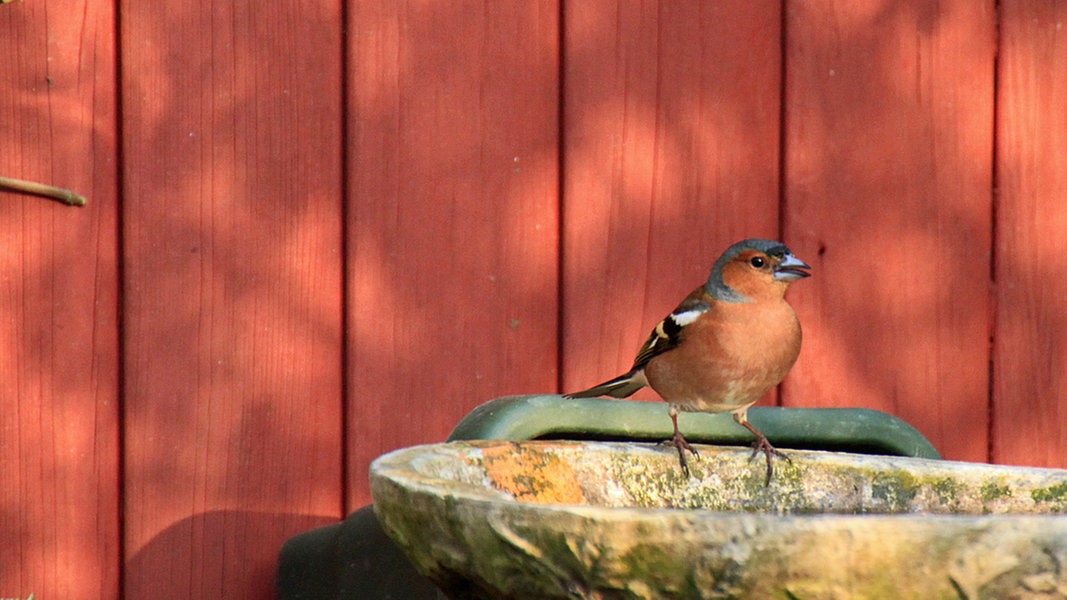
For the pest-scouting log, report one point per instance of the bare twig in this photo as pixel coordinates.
(39, 189)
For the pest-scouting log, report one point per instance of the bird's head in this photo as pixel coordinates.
(755, 269)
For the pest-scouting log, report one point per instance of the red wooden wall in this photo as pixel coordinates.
(318, 231)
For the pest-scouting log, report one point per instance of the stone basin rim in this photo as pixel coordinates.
(396, 468)
(476, 543)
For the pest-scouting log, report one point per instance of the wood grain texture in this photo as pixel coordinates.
(1030, 339)
(453, 216)
(671, 155)
(59, 461)
(233, 289)
(888, 195)
(510, 192)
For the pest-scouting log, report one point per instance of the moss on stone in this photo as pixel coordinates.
(948, 492)
(896, 490)
(992, 491)
(1054, 494)
(649, 563)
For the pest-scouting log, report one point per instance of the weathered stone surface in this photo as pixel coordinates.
(619, 520)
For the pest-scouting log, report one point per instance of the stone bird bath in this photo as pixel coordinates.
(577, 519)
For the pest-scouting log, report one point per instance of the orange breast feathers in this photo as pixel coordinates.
(731, 356)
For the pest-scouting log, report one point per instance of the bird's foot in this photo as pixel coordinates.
(763, 445)
(678, 442)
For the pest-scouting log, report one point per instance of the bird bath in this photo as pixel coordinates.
(565, 519)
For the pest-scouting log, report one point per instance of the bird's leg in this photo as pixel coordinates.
(762, 444)
(678, 441)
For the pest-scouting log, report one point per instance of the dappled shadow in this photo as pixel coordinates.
(215, 554)
(235, 227)
(887, 191)
(233, 278)
(671, 142)
(59, 362)
(453, 217)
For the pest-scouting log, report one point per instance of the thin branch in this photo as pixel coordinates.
(67, 197)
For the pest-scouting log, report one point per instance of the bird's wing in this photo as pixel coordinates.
(668, 333)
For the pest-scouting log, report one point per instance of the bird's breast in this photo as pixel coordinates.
(729, 358)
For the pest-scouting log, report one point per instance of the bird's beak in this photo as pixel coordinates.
(790, 269)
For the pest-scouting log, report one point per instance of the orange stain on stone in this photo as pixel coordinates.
(531, 475)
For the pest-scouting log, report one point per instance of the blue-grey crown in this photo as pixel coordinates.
(719, 290)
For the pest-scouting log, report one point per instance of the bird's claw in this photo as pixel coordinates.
(763, 445)
(679, 442)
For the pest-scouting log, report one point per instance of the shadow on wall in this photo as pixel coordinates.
(219, 553)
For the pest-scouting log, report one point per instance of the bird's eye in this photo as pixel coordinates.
(757, 261)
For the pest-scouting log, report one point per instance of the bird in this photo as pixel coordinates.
(725, 345)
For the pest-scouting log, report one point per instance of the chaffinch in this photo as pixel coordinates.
(728, 343)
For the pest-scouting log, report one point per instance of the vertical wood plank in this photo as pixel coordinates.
(452, 215)
(1030, 340)
(233, 281)
(888, 116)
(671, 154)
(59, 462)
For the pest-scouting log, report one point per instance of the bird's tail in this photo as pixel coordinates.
(622, 386)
